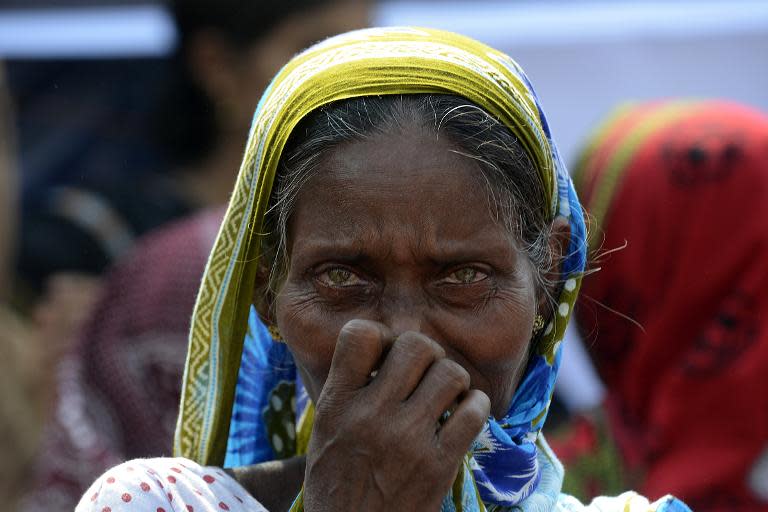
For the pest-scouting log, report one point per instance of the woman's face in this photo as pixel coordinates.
(398, 229)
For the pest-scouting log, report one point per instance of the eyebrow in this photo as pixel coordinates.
(354, 250)
(344, 247)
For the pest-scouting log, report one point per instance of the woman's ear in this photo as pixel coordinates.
(263, 298)
(559, 240)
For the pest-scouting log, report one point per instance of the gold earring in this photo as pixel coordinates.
(275, 333)
(538, 324)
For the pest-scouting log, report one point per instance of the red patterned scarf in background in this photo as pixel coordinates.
(685, 186)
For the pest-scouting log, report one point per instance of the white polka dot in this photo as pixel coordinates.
(563, 309)
(277, 403)
(290, 428)
(277, 443)
(570, 285)
(548, 329)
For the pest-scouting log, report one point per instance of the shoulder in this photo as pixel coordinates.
(166, 484)
(626, 501)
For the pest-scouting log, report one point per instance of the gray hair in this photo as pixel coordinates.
(515, 188)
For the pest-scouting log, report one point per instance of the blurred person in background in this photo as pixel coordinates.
(24, 392)
(119, 392)
(677, 319)
(19, 421)
(77, 224)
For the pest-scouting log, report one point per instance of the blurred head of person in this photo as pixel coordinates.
(228, 52)
(680, 188)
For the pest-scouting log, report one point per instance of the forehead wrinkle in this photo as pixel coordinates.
(409, 244)
(451, 208)
(417, 236)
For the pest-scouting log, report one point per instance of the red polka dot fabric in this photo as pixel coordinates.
(166, 485)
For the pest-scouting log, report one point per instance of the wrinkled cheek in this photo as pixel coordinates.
(312, 347)
(503, 393)
(503, 374)
(507, 367)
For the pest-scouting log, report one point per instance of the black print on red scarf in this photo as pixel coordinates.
(702, 154)
(732, 332)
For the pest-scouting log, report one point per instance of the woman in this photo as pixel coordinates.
(403, 225)
(680, 187)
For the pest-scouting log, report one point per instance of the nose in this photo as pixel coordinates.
(403, 321)
(404, 309)
(404, 312)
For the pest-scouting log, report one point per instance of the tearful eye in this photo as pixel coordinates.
(339, 276)
(466, 275)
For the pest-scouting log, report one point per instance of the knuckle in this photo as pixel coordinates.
(459, 432)
(419, 346)
(453, 374)
(361, 421)
(356, 338)
(329, 408)
(484, 402)
(476, 414)
(358, 332)
(340, 418)
(474, 421)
